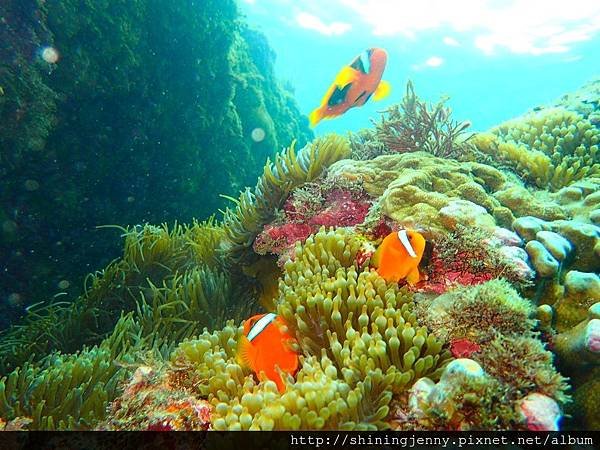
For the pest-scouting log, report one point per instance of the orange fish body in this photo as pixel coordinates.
(399, 255)
(266, 345)
(354, 85)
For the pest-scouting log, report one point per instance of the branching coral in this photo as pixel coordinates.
(552, 148)
(478, 313)
(290, 170)
(413, 125)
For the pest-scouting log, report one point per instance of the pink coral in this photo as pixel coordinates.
(304, 215)
(278, 238)
(344, 209)
(540, 412)
(444, 275)
(463, 348)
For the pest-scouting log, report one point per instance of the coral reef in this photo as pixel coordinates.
(550, 148)
(357, 336)
(508, 294)
(508, 366)
(150, 403)
(179, 266)
(255, 209)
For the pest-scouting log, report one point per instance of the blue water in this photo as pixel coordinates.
(483, 88)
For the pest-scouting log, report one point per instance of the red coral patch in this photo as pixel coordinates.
(463, 348)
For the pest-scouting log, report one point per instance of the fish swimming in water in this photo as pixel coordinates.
(399, 255)
(354, 85)
(264, 345)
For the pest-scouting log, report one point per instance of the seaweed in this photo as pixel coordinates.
(413, 125)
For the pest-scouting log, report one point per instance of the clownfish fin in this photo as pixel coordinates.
(315, 117)
(244, 350)
(382, 91)
(413, 276)
(345, 76)
(375, 257)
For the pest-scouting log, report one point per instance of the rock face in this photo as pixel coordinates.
(150, 112)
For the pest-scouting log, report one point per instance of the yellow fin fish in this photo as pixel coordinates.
(354, 85)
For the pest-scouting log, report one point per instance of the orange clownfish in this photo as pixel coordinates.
(265, 345)
(354, 85)
(399, 255)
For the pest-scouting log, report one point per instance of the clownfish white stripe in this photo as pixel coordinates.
(404, 240)
(259, 326)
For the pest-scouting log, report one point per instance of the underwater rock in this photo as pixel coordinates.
(579, 346)
(465, 213)
(557, 245)
(582, 285)
(540, 412)
(507, 237)
(585, 239)
(150, 402)
(545, 264)
(528, 226)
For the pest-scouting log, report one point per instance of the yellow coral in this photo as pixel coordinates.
(553, 147)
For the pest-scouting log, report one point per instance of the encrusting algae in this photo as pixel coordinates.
(471, 330)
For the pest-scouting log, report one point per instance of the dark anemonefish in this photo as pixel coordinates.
(354, 85)
(264, 345)
(399, 255)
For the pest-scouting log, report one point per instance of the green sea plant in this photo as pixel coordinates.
(158, 262)
(358, 340)
(257, 207)
(72, 391)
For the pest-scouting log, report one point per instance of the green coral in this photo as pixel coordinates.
(358, 339)
(413, 187)
(551, 148)
(478, 312)
(256, 208)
